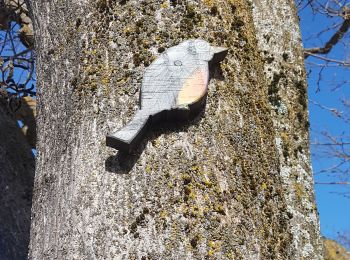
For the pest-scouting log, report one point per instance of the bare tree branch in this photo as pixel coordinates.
(333, 183)
(337, 36)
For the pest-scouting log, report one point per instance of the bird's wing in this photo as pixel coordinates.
(172, 73)
(158, 85)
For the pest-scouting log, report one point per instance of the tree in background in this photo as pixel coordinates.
(16, 158)
(238, 183)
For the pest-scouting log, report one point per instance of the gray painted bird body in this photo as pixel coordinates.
(165, 77)
(177, 79)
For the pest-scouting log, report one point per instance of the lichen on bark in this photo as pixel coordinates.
(286, 78)
(214, 188)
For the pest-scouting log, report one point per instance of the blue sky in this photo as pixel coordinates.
(333, 205)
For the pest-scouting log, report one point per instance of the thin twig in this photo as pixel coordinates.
(333, 183)
(342, 63)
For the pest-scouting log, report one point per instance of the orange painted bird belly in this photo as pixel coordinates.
(194, 88)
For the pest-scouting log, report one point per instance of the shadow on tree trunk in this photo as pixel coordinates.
(123, 162)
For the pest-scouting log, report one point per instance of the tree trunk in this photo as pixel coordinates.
(236, 183)
(16, 185)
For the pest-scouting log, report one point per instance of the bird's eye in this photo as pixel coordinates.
(202, 45)
(177, 63)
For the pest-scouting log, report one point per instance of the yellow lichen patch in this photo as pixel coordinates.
(284, 137)
(105, 80)
(128, 30)
(211, 252)
(192, 195)
(299, 191)
(219, 209)
(163, 214)
(208, 183)
(148, 169)
(214, 246)
(196, 211)
(165, 4)
(230, 256)
(209, 2)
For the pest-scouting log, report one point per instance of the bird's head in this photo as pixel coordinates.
(203, 51)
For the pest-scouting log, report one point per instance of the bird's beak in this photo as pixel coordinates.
(218, 50)
(219, 53)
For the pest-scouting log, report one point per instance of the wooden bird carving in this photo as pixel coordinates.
(176, 81)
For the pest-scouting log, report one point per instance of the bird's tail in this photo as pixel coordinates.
(128, 136)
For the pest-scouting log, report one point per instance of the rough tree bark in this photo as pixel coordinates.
(235, 184)
(16, 185)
